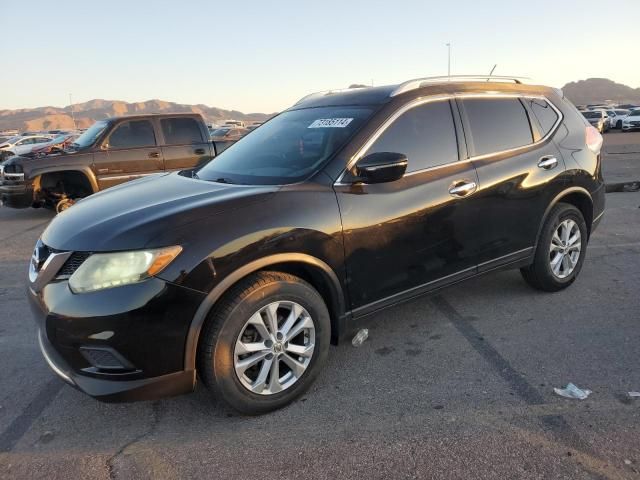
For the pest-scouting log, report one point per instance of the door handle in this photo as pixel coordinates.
(548, 163)
(154, 154)
(199, 151)
(462, 188)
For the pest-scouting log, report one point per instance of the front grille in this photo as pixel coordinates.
(73, 263)
(635, 124)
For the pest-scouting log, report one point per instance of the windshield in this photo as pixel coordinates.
(13, 139)
(635, 113)
(622, 112)
(288, 148)
(220, 132)
(89, 137)
(592, 114)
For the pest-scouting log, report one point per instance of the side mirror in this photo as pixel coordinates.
(381, 167)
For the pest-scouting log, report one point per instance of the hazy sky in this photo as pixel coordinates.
(261, 56)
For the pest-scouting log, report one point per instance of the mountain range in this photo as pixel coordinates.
(53, 118)
(591, 90)
(600, 90)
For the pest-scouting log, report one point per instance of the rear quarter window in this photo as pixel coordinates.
(497, 124)
(544, 113)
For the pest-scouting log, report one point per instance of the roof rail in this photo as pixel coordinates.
(418, 82)
(327, 92)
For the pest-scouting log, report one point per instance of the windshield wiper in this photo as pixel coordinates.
(223, 180)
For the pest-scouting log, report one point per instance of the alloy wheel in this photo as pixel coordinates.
(566, 245)
(274, 348)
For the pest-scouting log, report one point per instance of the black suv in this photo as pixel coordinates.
(348, 202)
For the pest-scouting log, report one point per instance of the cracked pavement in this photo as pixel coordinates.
(459, 384)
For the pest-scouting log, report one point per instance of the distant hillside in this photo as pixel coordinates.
(597, 90)
(50, 118)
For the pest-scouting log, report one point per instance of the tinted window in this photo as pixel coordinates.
(497, 124)
(425, 134)
(592, 114)
(544, 113)
(136, 133)
(181, 131)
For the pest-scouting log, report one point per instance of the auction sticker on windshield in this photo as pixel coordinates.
(331, 123)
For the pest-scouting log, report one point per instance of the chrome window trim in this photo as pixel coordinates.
(423, 100)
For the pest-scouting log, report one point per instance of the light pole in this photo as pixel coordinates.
(448, 59)
(73, 117)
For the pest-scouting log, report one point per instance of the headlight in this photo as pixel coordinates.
(108, 270)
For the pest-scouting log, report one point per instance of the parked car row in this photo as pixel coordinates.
(605, 117)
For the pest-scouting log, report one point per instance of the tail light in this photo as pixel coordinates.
(593, 139)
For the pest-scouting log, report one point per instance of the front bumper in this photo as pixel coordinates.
(15, 194)
(144, 325)
(630, 127)
(117, 390)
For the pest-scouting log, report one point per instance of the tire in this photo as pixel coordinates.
(540, 274)
(228, 326)
(619, 124)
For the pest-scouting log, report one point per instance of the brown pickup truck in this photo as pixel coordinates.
(111, 152)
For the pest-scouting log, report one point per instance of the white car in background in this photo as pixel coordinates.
(21, 144)
(616, 116)
(631, 121)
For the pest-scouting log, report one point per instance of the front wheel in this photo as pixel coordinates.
(265, 342)
(560, 251)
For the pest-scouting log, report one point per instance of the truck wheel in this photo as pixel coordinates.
(560, 251)
(64, 204)
(265, 342)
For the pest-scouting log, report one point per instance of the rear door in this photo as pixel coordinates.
(130, 151)
(519, 170)
(185, 143)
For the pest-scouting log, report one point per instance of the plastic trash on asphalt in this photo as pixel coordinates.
(360, 337)
(634, 394)
(571, 391)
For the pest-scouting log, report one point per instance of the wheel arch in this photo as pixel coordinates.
(578, 197)
(85, 172)
(311, 269)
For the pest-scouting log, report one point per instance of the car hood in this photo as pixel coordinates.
(130, 216)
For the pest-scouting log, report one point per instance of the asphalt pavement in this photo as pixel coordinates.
(456, 385)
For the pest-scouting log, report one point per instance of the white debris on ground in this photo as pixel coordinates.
(571, 391)
(360, 337)
(634, 394)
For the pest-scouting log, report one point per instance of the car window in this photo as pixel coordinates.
(181, 131)
(544, 113)
(425, 134)
(497, 124)
(132, 134)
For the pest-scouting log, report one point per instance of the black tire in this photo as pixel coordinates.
(227, 319)
(619, 124)
(539, 274)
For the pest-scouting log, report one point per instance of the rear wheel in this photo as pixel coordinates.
(560, 251)
(265, 342)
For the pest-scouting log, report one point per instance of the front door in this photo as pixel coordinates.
(405, 237)
(129, 152)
